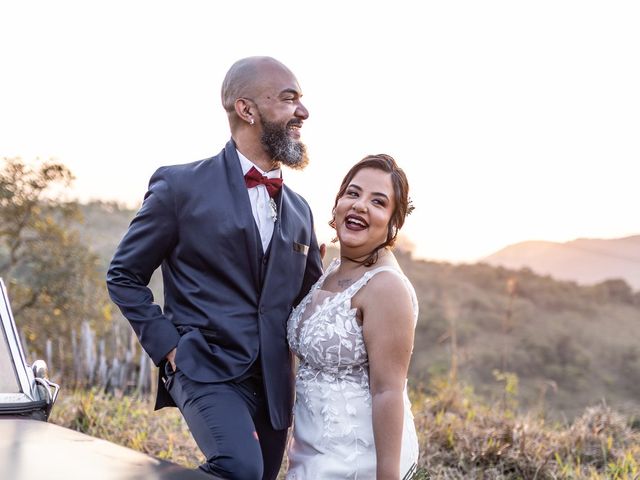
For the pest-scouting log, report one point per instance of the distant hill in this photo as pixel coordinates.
(104, 224)
(585, 260)
(571, 346)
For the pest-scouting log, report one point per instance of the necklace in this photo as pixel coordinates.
(368, 259)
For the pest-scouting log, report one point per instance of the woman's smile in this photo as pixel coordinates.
(364, 211)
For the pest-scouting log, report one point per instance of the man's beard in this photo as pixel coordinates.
(281, 147)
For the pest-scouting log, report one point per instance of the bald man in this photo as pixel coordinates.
(238, 251)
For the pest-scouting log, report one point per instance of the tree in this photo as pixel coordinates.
(51, 275)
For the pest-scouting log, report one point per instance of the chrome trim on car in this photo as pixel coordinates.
(25, 375)
(47, 385)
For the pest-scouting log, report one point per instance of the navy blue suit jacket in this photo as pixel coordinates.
(219, 311)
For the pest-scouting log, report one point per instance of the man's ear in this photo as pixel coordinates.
(244, 110)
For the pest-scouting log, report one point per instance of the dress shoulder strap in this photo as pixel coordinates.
(364, 279)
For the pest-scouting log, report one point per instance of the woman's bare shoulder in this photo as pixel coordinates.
(387, 289)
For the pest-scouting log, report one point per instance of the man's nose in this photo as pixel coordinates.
(302, 112)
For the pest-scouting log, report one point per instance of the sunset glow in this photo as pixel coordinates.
(513, 121)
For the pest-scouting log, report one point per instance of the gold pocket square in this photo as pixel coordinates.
(300, 248)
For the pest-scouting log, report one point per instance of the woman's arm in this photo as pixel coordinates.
(388, 325)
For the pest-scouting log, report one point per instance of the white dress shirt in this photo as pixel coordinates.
(259, 197)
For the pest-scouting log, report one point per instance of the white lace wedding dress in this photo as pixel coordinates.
(333, 431)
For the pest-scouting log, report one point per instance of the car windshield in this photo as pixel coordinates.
(8, 377)
(19, 394)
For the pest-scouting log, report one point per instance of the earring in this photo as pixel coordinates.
(332, 224)
(252, 122)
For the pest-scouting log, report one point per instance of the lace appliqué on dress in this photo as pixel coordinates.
(333, 422)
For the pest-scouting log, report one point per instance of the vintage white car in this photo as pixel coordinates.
(33, 449)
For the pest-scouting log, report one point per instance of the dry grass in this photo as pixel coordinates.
(129, 421)
(461, 437)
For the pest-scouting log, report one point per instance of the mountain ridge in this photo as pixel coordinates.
(584, 260)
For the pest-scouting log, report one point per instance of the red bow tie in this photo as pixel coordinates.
(253, 178)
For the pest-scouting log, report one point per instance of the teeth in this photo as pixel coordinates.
(357, 222)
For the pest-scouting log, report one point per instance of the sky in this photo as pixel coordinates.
(513, 120)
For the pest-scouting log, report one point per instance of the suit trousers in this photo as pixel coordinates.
(230, 423)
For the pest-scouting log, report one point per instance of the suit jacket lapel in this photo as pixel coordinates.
(241, 206)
